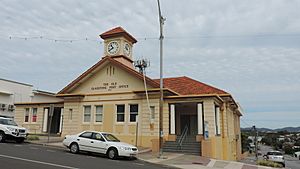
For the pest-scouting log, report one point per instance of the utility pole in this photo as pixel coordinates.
(161, 37)
(255, 140)
(51, 111)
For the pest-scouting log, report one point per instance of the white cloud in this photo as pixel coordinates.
(212, 41)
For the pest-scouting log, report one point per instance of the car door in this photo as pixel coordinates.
(98, 143)
(84, 141)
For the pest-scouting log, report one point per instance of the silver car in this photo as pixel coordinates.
(275, 156)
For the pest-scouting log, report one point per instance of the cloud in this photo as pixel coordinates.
(248, 48)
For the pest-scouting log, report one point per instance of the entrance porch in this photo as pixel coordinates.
(186, 128)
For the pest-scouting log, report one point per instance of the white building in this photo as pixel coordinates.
(12, 92)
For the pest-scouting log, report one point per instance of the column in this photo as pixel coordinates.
(45, 121)
(200, 118)
(61, 119)
(172, 119)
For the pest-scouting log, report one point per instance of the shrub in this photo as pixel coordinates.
(269, 163)
(32, 137)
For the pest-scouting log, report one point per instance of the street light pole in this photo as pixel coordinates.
(161, 37)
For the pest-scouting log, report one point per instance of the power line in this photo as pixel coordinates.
(70, 40)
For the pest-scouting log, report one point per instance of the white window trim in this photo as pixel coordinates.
(133, 122)
(95, 112)
(83, 122)
(116, 114)
(28, 115)
(31, 120)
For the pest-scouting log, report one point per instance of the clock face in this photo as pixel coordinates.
(113, 47)
(126, 49)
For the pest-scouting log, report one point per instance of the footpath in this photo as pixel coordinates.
(175, 160)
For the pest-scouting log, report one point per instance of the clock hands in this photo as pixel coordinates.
(110, 47)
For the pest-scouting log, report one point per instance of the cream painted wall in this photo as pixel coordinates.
(120, 79)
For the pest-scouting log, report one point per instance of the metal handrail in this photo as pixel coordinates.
(183, 136)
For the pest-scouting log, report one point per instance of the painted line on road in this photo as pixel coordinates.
(138, 164)
(33, 148)
(39, 162)
(18, 145)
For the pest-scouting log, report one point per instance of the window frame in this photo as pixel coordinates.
(34, 117)
(130, 113)
(95, 114)
(124, 112)
(25, 112)
(81, 135)
(84, 114)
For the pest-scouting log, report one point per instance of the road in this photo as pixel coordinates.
(290, 162)
(29, 156)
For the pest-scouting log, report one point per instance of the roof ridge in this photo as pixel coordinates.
(205, 84)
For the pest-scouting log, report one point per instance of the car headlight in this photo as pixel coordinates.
(125, 148)
(11, 129)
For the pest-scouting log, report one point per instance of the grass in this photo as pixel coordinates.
(269, 163)
(33, 137)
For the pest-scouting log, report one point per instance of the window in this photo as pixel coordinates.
(87, 114)
(98, 114)
(120, 113)
(26, 118)
(70, 114)
(97, 136)
(152, 111)
(86, 135)
(134, 108)
(34, 114)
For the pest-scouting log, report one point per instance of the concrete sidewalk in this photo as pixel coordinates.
(168, 159)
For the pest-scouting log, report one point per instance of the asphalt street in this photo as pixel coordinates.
(290, 162)
(30, 156)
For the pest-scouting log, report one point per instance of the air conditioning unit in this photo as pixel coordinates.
(11, 107)
(2, 106)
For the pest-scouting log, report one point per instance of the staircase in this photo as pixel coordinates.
(189, 146)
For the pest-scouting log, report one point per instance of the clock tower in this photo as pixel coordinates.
(118, 45)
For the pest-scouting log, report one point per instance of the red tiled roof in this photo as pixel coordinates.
(118, 31)
(187, 86)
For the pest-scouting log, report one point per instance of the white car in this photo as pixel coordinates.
(297, 154)
(99, 142)
(275, 156)
(9, 130)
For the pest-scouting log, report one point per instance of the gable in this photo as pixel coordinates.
(109, 78)
(81, 80)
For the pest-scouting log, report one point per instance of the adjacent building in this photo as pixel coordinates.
(112, 96)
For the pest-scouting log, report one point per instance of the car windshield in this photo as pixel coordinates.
(110, 137)
(9, 122)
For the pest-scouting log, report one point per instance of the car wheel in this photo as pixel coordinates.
(2, 136)
(74, 148)
(112, 153)
(20, 140)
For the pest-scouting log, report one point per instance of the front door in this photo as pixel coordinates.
(85, 141)
(185, 122)
(98, 143)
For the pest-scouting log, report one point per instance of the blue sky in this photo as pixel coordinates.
(248, 48)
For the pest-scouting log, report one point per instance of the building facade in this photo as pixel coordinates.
(11, 92)
(112, 96)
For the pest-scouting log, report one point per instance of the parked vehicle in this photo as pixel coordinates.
(9, 130)
(99, 142)
(275, 156)
(297, 154)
